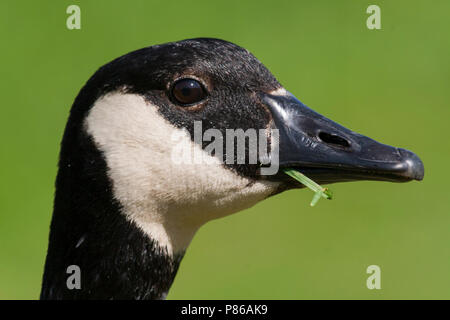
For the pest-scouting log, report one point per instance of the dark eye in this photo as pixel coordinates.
(188, 91)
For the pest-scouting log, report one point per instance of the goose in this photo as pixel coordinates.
(125, 211)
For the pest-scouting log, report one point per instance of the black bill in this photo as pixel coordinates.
(328, 152)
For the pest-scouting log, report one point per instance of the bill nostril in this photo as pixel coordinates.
(333, 139)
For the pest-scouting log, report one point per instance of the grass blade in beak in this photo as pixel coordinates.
(319, 190)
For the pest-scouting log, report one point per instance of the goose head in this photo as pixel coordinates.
(137, 177)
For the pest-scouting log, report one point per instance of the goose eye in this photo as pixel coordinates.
(188, 91)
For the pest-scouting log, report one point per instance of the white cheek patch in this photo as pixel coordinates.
(169, 201)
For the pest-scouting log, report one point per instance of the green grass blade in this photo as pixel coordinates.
(319, 191)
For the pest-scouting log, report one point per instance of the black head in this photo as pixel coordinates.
(225, 87)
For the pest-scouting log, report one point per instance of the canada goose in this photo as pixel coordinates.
(125, 213)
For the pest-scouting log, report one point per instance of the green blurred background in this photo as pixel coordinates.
(391, 84)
